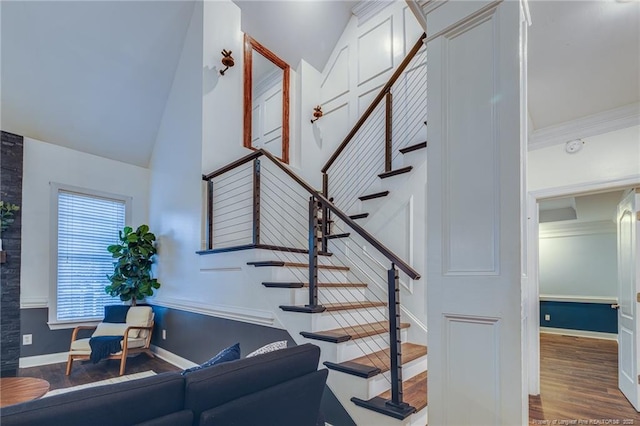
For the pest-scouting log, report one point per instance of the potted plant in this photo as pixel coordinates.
(131, 279)
(6, 216)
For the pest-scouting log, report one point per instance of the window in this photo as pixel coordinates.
(86, 224)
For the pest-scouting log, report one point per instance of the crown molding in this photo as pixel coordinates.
(429, 6)
(560, 229)
(591, 125)
(367, 9)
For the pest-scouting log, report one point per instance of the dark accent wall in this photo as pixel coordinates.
(45, 341)
(11, 152)
(198, 337)
(598, 317)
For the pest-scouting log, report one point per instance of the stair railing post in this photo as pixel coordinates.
(388, 131)
(326, 230)
(313, 253)
(210, 214)
(256, 202)
(395, 340)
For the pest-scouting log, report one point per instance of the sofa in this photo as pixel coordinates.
(278, 388)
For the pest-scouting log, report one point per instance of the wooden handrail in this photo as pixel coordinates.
(376, 101)
(401, 264)
(232, 165)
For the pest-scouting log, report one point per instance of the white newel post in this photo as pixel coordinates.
(474, 109)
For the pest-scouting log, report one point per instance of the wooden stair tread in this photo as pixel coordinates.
(306, 285)
(395, 172)
(411, 148)
(306, 265)
(341, 306)
(374, 195)
(380, 359)
(414, 391)
(358, 216)
(280, 263)
(352, 332)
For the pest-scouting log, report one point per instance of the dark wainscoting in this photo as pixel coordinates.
(45, 341)
(598, 317)
(198, 337)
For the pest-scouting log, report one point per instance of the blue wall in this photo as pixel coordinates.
(580, 316)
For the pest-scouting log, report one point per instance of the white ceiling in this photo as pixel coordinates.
(583, 58)
(95, 75)
(296, 30)
(90, 75)
(588, 208)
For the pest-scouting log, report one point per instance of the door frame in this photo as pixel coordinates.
(533, 283)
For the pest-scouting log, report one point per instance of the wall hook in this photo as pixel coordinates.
(227, 60)
(317, 113)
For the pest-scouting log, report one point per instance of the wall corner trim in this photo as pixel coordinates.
(172, 358)
(236, 313)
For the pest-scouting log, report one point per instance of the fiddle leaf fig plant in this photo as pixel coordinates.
(131, 279)
(6, 214)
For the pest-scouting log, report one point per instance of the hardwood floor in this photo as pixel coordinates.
(86, 372)
(579, 383)
(578, 380)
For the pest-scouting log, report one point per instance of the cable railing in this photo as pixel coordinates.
(395, 119)
(290, 217)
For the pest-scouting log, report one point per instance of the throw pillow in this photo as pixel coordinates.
(228, 354)
(269, 348)
(115, 313)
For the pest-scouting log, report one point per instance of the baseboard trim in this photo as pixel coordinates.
(172, 358)
(579, 333)
(38, 360)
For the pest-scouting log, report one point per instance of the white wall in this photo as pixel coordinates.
(222, 94)
(607, 157)
(45, 163)
(582, 265)
(361, 63)
(175, 202)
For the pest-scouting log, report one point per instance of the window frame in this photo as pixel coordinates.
(56, 188)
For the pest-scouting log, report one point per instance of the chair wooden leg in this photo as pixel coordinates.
(123, 363)
(69, 364)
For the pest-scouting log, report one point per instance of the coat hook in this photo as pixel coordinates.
(317, 113)
(227, 60)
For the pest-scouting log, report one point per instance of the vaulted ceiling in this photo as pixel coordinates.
(94, 76)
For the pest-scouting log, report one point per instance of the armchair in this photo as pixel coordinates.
(136, 331)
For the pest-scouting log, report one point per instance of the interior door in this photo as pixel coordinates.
(629, 297)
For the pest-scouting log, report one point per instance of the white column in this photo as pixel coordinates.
(474, 109)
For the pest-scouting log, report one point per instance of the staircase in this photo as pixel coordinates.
(330, 280)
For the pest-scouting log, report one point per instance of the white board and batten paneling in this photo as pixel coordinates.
(371, 47)
(474, 217)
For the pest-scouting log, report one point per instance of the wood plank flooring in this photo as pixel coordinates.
(579, 381)
(414, 391)
(380, 359)
(86, 372)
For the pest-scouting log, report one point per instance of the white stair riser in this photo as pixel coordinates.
(332, 294)
(288, 274)
(368, 388)
(343, 318)
(358, 347)
(382, 382)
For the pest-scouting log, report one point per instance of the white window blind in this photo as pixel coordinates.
(87, 225)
